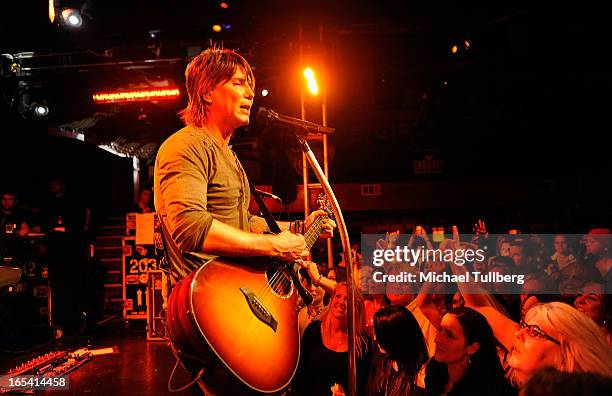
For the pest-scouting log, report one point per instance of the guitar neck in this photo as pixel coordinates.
(313, 232)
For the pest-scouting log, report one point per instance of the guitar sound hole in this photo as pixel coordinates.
(279, 282)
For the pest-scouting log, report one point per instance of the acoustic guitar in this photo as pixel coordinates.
(240, 317)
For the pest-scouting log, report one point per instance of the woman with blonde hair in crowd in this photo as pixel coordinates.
(558, 335)
(554, 335)
(324, 348)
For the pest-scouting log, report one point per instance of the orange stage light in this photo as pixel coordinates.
(135, 96)
(309, 75)
(52, 10)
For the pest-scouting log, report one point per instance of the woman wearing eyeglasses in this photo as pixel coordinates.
(559, 336)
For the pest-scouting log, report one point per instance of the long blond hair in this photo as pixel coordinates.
(361, 338)
(583, 345)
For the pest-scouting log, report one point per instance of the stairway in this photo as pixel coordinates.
(109, 251)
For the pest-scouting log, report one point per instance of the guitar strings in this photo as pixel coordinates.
(310, 237)
(267, 291)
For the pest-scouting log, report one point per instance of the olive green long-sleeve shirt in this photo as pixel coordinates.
(197, 180)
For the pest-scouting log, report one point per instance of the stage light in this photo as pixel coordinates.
(313, 88)
(51, 11)
(216, 28)
(40, 110)
(467, 44)
(224, 5)
(135, 96)
(228, 26)
(264, 92)
(454, 49)
(154, 34)
(71, 17)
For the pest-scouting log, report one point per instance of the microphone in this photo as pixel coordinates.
(270, 117)
(269, 195)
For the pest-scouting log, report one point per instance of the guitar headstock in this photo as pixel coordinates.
(324, 204)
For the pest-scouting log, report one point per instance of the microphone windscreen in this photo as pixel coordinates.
(265, 115)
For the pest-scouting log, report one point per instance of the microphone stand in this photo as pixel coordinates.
(346, 247)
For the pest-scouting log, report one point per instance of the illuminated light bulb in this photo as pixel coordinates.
(71, 17)
(41, 110)
(311, 80)
(51, 11)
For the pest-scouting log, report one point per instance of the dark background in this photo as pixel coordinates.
(528, 101)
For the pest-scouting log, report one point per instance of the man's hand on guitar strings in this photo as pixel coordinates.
(289, 246)
(328, 224)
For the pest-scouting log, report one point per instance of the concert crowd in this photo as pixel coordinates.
(550, 338)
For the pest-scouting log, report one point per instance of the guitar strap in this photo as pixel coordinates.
(265, 212)
(171, 253)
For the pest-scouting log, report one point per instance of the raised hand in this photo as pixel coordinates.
(390, 241)
(337, 390)
(480, 228)
(420, 232)
(311, 268)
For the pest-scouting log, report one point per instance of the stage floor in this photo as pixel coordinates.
(140, 368)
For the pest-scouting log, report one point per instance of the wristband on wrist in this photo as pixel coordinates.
(297, 227)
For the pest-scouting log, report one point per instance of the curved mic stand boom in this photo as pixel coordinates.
(346, 247)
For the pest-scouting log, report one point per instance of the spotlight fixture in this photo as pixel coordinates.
(154, 34)
(264, 92)
(71, 17)
(216, 28)
(40, 110)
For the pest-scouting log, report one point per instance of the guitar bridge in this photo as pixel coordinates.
(258, 308)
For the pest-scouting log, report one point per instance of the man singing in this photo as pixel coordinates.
(201, 190)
